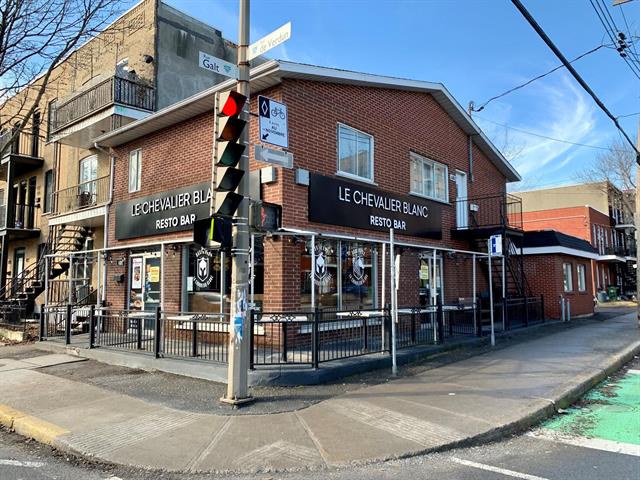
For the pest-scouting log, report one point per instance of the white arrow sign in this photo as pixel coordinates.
(276, 157)
(272, 40)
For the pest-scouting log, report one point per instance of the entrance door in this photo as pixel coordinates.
(462, 204)
(18, 268)
(145, 281)
(428, 287)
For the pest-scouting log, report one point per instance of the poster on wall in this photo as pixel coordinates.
(154, 274)
(136, 267)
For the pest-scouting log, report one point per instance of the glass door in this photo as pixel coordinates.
(427, 285)
(87, 181)
(145, 281)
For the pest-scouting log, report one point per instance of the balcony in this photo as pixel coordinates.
(24, 152)
(20, 221)
(82, 204)
(109, 104)
(480, 217)
(618, 254)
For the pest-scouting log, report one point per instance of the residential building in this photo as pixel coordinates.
(597, 213)
(56, 184)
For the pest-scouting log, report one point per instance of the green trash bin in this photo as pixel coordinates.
(613, 293)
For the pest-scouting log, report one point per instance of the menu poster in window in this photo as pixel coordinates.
(154, 274)
(136, 268)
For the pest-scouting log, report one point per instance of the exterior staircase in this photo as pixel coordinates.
(18, 296)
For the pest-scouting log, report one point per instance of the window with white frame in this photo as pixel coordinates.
(567, 277)
(355, 153)
(582, 278)
(135, 170)
(429, 178)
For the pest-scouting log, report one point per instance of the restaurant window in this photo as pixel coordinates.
(135, 170)
(355, 153)
(582, 284)
(428, 178)
(567, 277)
(209, 272)
(357, 276)
(325, 274)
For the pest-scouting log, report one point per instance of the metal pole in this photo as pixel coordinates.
(99, 280)
(46, 281)
(70, 280)
(475, 305)
(504, 291)
(394, 306)
(313, 271)
(493, 334)
(434, 295)
(237, 375)
(384, 286)
(223, 279)
(162, 255)
(252, 265)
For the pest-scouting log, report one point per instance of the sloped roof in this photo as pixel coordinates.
(273, 72)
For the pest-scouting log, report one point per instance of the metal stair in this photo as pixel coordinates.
(17, 297)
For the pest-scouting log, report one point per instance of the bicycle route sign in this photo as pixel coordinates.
(273, 122)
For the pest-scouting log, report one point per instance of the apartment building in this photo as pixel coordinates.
(598, 213)
(55, 183)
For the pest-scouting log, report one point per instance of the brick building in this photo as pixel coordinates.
(598, 214)
(369, 151)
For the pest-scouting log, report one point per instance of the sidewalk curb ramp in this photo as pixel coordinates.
(49, 434)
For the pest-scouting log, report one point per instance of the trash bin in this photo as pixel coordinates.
(602, 296)
(612, 293)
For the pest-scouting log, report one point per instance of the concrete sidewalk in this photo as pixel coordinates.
(470, 401)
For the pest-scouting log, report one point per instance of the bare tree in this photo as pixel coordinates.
(615, 167)
(36, 36)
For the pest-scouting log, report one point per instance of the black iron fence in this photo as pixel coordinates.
(23, 142)
(84, 195)
(302, 338)
(502, 210)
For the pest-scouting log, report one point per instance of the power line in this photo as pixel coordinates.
(628, 115)
(533, 134)
(511, 90)
(633, 45)
(611, 30)
(573, 72)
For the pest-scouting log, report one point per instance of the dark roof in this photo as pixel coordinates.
(552, 238)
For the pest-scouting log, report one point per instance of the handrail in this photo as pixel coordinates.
(86, 194)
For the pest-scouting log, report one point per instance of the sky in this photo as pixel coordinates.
(478, 49)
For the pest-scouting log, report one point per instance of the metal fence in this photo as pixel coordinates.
(298, 338)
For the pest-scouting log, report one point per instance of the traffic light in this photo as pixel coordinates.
(228, 151)
(209, 232)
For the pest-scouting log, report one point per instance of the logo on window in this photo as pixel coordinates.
(204, 277)
(321, 272)
(357, 275)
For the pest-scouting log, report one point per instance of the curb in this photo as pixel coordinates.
(30, 426)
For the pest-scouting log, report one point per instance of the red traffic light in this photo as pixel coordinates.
(231, 103)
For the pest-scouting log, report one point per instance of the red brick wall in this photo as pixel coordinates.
(400, 122)
(544, 273)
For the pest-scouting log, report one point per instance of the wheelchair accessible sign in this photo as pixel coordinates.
(273, 122)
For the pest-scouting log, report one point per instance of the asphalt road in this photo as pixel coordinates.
(534, 455)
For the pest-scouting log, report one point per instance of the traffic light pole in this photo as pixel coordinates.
(239, 335)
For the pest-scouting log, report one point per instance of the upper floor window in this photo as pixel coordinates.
(48, 191)
(135, 170)
(355, 153)
(567, 278)
(582, 283)
(429, 178)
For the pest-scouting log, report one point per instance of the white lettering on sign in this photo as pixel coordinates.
(179, 200)
(217, 65)
(274, 39)
(377, 221)
(381, 202)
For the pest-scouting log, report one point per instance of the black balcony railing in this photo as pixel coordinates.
(620, 251)
(25, 143)
(113, 90)
(81, 196)
(502, 210)
(19, 217)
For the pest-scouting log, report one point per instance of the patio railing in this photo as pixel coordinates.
(81, 196)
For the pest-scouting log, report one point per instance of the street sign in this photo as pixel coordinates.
(217, 65)
(495, 245)
(275, 157)
(270, 41)
(273, 122)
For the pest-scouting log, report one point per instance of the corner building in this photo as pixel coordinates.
(369, 152)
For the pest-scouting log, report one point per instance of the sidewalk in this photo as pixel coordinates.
(470, 401)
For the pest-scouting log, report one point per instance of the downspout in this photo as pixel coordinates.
(470, 142)
(105, 241)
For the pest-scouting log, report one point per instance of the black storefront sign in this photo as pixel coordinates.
(166, 212)
(338, 202)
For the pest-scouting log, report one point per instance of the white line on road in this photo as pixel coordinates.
(18, 463)
(502, 471)
(585, 442)
(631, 370)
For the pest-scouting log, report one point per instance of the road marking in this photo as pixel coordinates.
(502, 471)
(631, 370)
(586, 442)
(18, 463)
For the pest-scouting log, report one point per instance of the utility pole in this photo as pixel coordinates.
(239, 335)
